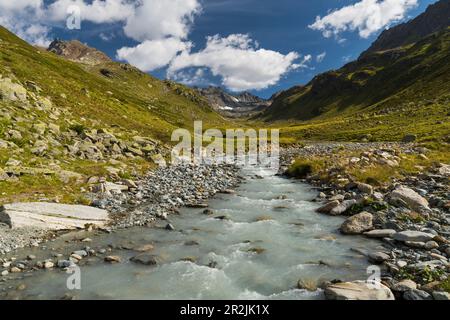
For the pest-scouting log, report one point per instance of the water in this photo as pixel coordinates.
(260, 252)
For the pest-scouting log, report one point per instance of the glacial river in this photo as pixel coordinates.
(269, 237)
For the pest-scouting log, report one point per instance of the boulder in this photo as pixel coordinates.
(328, 207)
(404, 285)
(109, 187)
(358, 290)
(444, 169)
(52, 216)
(415, 294)
(147, 259)
(365, 188)
(113, 259)
(441, 295)
(404, 195)
(11, 91)
(413, 236)
(358, 223)
(378, 257)
(381, 233)
(343, 207)
(3, 175)
(39, 128)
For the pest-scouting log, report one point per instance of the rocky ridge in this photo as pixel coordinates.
(233, 105)
(78, 52)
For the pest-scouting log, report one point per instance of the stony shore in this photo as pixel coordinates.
(410, 216)
(137, 203)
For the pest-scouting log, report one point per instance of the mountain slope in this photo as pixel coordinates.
(383, 95)
(376, 80)
(240, 105)
(434, 19)
(61, 120)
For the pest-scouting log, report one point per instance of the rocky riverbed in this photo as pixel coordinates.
(409, 215)
(136, 203)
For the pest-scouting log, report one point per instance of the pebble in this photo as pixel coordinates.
(431, 245)
(441, 295)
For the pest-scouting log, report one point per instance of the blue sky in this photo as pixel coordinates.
(260, 61)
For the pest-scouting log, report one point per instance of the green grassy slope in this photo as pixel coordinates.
(69, 111)
(126, 97)
(384, 94)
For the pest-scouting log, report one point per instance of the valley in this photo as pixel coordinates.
(363, 181)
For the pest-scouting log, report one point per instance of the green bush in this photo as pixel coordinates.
(302, 169)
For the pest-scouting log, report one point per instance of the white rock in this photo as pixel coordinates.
(380, 233)
(52, 216)
(410, 197)
(414, 236)
(358, 223)
(358, 290)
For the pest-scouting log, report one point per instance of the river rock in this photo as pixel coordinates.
(413, 200)
(358, 223)
(52, 216)
(416, 295)
(414, 236)
(358, 290)
(380, 233)
(378, 257)
(444, 170)
(431, 245)
(144, 248)
(11, 91)
(441, 295)
(365, 188)
(404, 285)
(113, 259)
(147, 259)
(328, 207)
(342, 207)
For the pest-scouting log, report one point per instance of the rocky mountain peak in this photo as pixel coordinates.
(76, 51)
(234, 105)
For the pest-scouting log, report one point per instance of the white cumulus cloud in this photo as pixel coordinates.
(153, 54)
(156, 19)
(238, 61)
(97, 11)
(23, 18)
(161, 29)
(366, 17)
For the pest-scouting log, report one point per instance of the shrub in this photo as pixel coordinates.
(78, 128)
(303, 168)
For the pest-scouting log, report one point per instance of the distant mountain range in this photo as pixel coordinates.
(234, 105)
(407, 63)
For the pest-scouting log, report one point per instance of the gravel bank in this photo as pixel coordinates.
(158, 194)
